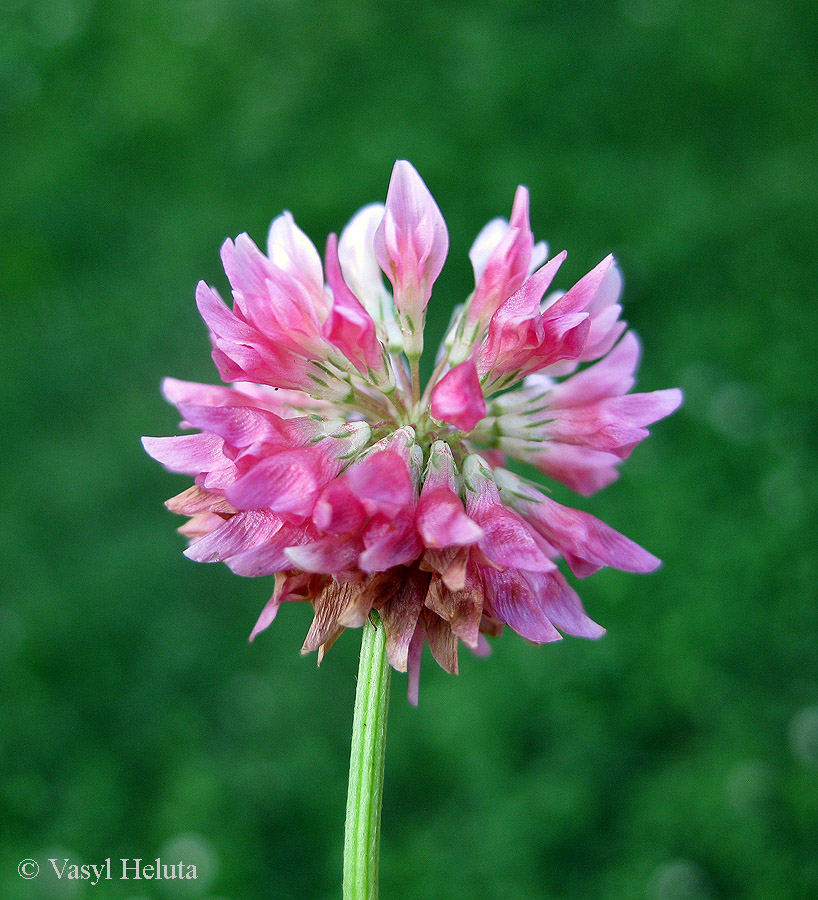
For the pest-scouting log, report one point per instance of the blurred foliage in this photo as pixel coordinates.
(676, 759)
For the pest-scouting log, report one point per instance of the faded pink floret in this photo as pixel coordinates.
(317, 463)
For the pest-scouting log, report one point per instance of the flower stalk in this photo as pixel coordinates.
(363, 816)
(414, 369)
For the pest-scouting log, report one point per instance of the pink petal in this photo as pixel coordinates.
(563, 607)
(330, 554)
(288, 588)
(221, 320)
(442, 521)
(586, 542)
(507, 267)
(412, 241)
(506, 539)
(291, 250)
(239, 533)
(516, 328)
(349, 326)
(382, 483)
(584, 470)
(201, 524)
(458, 398)
(229, 368)
(582, 294)
(285, 308)
(411, 244)
(514, 603)
(612, 376)
(563, 338)
(239, 426)
(267, 617)
(176, 392)
(508, 542)
(525, 302)
(248, 272)
(269, 556)
(440, 471)
(337, 510)
(242, 353)
(192, 454)
(413, 662)
(286, 481)
(605, 311)
(389, 543)
(440, 517)
(614, 424)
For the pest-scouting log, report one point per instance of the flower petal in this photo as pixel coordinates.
(240, 426)
(458, 398)
(349, 326)
(413, 662)
(586, 542)
(400, 615)
(245, 530)
(513, 602)
(507, 540)
(290, 249)
(442, 642)
(381, 483)
(411, 244)
(356, 254)
(334, 603)
(269, 557)
(286, 481)
(506, 268)
(412, 241)
(442, 521)
(563, 607)
(330, 554)
(388, 543)
(192, 454)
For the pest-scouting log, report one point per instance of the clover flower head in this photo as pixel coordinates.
(320, 462)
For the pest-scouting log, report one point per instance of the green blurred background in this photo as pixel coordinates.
(676, 759)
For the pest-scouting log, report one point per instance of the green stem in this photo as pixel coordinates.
(363, 821)
(414, 369)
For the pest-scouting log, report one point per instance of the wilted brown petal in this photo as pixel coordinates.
(400, 615)
(442, 642)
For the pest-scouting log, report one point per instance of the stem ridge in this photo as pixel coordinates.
(366, 764)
